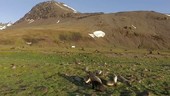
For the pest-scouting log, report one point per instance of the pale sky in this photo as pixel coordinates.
(13, 10)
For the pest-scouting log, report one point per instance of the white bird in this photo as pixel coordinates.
(115, 79)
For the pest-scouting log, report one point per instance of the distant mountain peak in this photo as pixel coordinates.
(48, 9)
(3, 26)
(62, 6)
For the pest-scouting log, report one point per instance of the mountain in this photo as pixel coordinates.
(168, 14)
(3, 26)
(55, 24)
(49, 9)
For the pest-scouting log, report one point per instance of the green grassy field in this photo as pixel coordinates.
(43, 73)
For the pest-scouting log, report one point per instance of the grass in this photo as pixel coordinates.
(53, 73)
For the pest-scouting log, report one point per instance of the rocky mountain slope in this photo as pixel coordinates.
(49, 9)
(55, 24)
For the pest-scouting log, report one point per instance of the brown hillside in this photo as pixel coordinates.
(54, 26)
(45, 10)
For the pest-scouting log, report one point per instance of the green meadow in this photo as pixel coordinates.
(45, 73)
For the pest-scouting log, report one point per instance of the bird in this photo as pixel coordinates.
(98, 72)
(112, 82)
(115, 78)
(13, 66)
(95, 81)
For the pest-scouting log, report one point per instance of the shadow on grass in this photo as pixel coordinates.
(79, 82)
(83, 89)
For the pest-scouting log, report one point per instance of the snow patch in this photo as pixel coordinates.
(30, 20)
(97, 34)
(28, 43)
(9, 24)
(167, 14)
(5, 25)
(73, 47)
(59, 6)
(75, 11)
(134, 26)
(2, 27)
(66, 7)
(92, 35)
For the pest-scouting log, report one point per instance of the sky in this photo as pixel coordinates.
(13, 10)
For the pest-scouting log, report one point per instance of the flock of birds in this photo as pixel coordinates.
(94, 78)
